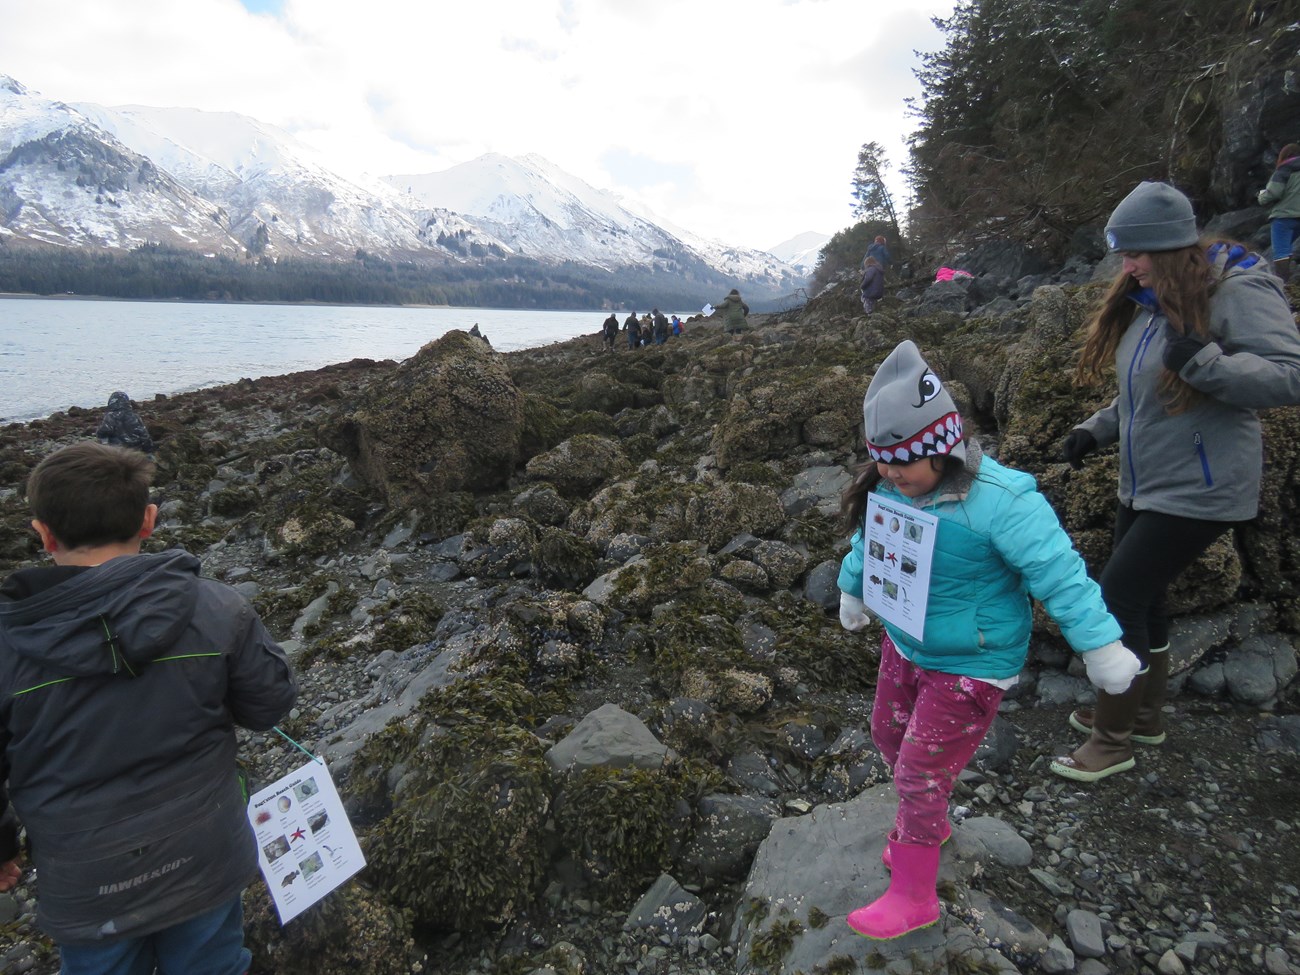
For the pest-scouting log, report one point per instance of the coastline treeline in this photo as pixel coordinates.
(155, 272)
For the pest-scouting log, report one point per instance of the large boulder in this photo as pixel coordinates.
(448, 419)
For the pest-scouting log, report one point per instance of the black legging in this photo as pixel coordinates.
(1151, 550)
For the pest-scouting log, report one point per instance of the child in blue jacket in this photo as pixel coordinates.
(997, 543)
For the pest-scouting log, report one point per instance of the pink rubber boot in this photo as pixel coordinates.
(893, 838)
(910, 903)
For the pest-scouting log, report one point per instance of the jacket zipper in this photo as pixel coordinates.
(1205, 461)
(1135, 365)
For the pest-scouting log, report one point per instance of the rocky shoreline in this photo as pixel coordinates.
(564, 625)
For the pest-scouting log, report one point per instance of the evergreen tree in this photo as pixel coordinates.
(872, 199)
(1038, 115)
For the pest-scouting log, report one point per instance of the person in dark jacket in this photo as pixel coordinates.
(1283, 194)
(122, 678)
(610, 330)
(733, 310)
(873, 284)
(879, 249)
(660, 327)
(1200, 338)
(121, 427)
(633, 326)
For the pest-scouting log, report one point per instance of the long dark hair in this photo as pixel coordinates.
(853, 499)
(1182, 283)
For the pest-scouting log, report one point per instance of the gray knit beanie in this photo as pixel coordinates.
(907, 414)
(1154, 217)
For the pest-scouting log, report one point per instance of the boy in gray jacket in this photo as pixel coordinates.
(122, 678)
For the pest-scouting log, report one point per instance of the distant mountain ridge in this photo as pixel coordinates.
(801, 250)
(221, 183)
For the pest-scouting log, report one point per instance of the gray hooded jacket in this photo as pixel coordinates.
(1206, 462)
(120, 689)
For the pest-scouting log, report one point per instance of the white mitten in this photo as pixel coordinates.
(1112, 668)
(853, 613)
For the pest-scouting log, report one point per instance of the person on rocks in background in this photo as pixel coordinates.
(733, 310)
(997, 543)
(1283, 192)
(647, 328)
(677, 326)
(633, 326)
(121, 427)
(610, 329)
(1200, 335)
(660, 327)
(873, 284)
(122, 678)
(880, 251)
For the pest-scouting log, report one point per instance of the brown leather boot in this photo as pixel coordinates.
(1149, 728)
(1110, 748)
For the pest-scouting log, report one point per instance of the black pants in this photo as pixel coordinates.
(1151, 551)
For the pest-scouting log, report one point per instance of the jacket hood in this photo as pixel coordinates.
(113, 618)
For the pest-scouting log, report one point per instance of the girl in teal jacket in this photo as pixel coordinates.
(996, 544)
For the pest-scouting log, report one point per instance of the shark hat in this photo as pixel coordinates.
(907, 414)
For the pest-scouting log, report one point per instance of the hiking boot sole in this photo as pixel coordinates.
(1078, 725)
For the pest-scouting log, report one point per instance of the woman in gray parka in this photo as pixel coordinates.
(1200, 337)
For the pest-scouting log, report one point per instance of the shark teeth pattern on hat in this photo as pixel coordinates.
(936, 440)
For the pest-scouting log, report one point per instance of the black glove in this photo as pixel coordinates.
(1180, 349)
(1079, 443)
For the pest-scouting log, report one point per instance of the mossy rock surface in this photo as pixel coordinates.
(448, 419)
(352, 931)
(768, 413)
(579, 464)
(469, 792)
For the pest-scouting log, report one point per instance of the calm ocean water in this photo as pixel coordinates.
(56, 353)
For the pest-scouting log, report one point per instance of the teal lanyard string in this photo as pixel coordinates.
(295, 744)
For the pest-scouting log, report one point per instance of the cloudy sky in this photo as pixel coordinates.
(736, 119)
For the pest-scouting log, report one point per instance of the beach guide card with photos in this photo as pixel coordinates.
(898, 550)
(305, 844)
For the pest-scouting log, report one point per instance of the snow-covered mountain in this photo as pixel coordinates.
(67, 181)
(801, 250)
(85, 174)
(541, 211)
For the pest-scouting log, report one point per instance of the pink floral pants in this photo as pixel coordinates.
(927, 726)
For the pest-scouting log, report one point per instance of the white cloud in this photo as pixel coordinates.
(736, 120)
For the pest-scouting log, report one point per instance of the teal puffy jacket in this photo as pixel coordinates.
(999, 543)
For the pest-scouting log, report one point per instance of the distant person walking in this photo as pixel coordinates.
(733, 311)
(1283, 191)
(873, 284)
(880, 251)
(660, 327)
(610, 330)
(633, 326)
(121, 427)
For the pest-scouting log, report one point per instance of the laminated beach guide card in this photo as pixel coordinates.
(898, 551)
(305, 844)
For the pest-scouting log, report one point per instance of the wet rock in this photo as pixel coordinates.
(608, 737)
(728, 831)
